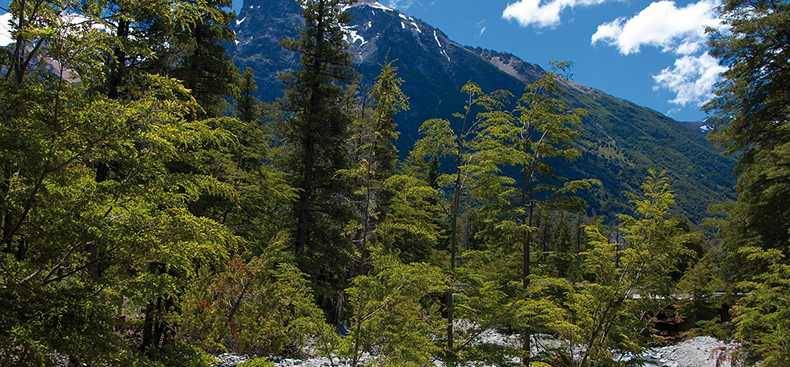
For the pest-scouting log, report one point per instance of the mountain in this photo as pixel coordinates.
(621, 139)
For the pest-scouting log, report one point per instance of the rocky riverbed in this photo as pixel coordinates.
(697, 352)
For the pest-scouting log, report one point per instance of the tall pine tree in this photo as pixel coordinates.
(752, 114)
(316, 134)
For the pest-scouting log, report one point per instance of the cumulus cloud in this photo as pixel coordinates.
(546, 14)
(691, 79)
(680, 31)
(663, 25)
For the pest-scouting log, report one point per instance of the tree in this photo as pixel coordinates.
(626, 283)
(392, 317)
(202, 65)
(762, 320)
(374, 137)
(96, 226)
(539, 130)
(752, 114)
(248, 108)
(318, 129)
(316, 135)
(462, 143)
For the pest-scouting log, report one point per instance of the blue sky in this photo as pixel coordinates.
(652, 53)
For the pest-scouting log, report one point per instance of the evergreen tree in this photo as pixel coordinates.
(752, 115)
(316, 133)
(375, 139)
(248, 108)
(202, 64)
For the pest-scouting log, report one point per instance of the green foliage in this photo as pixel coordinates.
(374, 139)
(204, 68)
(411, 227)
(314, 133)
(752, 119)
(626, 283)
(752, 115)
(315, 136)
(140, 227)
(103, 162)
(462, 143)
(253, 307)
(394, 315)
(763, 316)
(540, 129)
(317, 129)
(701, 303)
(653, 238)
(248, 108)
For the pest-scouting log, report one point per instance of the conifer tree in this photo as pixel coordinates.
(203, 66)
(248, 108)
(318, 129)
(751, 112)
(316, 133)
(375, 138)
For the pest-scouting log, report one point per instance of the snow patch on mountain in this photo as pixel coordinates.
(370, 3)
(353, 36)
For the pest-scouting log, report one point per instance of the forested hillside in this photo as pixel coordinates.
(154, 212)
(620, 142)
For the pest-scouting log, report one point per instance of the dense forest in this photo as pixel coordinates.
(153, 212)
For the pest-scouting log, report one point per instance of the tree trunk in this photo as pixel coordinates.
(303, 207)
(526, 217)
(453, 244)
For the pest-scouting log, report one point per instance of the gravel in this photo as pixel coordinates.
(701, 351)
(697, 352)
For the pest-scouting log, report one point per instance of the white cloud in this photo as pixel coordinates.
(663, 25)
(680, 31)
(481, 27)
(5, 30)
(533, 12)
(691, 79)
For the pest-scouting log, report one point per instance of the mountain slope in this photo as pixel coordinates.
(622, 140)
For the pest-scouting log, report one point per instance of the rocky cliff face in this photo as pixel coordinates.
(259, 27)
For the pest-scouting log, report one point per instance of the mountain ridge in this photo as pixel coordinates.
(621, 139)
